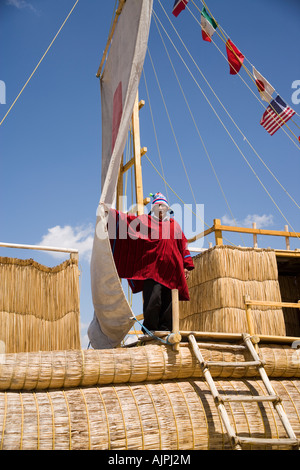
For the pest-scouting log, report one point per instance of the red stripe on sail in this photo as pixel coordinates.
(117, 114)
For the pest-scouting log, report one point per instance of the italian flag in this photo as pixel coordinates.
(208, 25)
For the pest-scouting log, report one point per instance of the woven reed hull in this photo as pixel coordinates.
(168, 415)
(222, 277)
(86, 368)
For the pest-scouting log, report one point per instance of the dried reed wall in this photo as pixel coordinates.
(39, 306)
(222, 277)
(169, 415)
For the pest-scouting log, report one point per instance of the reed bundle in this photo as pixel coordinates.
(178, 414)
(39, 305)
(222, 277)
(85, 368)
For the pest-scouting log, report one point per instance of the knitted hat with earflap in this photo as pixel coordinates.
(159, 198)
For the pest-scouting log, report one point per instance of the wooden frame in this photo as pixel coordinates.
(257, 337)
(218, 228)
(73, 252)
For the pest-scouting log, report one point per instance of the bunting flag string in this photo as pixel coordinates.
(178, 6)
(278, 112)
(208, 25)
(235, 57)
(265, 89)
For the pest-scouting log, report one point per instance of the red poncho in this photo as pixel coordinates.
(146, 248)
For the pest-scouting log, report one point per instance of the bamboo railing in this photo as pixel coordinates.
(218, 229)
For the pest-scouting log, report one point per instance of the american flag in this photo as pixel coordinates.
(276, 114)
(179, 5)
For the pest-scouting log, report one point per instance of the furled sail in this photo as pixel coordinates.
(119, 85)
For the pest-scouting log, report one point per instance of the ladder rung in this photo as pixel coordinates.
(263, 441)
(234, 364)
(235, 347)
(254, 398)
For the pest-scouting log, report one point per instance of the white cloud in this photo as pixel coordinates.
(20, 4)
(260, 220)
(80, 238)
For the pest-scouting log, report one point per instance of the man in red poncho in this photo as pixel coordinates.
(150, 251)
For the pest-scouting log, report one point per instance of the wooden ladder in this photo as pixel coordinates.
(235, 440)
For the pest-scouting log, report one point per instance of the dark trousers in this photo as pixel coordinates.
(157, 307)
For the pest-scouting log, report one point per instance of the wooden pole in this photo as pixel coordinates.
(287, 240)
(117, 14)
(137, 157)
(218, 232)
(250, 319)
(175, 336)
(38, 247)
(254, 236)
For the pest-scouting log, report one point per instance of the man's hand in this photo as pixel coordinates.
(186, 273)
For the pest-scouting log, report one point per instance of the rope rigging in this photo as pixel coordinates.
(39, 63)
(215, 112)
(224, 40)
(197, 128)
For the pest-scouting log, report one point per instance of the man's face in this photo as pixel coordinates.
(160, 210)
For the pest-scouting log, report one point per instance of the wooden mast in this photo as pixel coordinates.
(135, 161)
(110, 36)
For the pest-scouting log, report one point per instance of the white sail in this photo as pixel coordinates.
(113, 316)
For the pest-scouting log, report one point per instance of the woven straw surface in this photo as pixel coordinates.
(178, 414)
(39, 306)
(222, 277)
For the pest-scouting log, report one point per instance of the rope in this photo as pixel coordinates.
(247, 71)
(260, 102)
(174, 414)
(174, 135)
(87, 417)
(197, 129)
(180, 197)
(106, 416)
(139, 415)
(4, 420)
(155, 134)
(22, 421)
(156, 414)
(69, 420)
(150, 332)
(123, 417)
(39, 63)
(38, 420)
(257, 98)
(215, 112)
(53, 422)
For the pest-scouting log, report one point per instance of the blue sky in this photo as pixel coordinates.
(51, 139)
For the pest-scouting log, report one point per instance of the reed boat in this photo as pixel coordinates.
(228, 374)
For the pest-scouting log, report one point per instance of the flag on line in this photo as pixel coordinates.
(276, 114)
(235, 57)
(208, 25)
(265, 89)
(178, 6)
